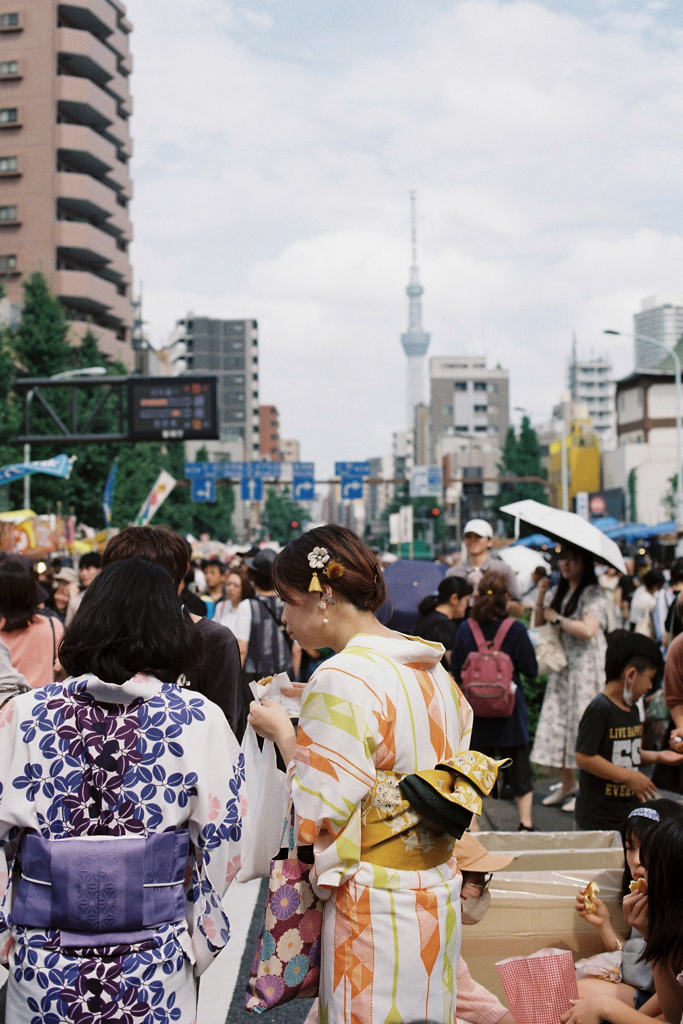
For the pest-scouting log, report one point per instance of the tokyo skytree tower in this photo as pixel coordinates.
(415, 341)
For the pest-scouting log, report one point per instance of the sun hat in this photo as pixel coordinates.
(471, 855)
(66, 575)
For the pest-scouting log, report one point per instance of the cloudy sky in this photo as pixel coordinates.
(276, 142)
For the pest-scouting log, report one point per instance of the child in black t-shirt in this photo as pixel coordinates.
(608, 746)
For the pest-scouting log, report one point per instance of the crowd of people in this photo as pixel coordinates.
(125, 695)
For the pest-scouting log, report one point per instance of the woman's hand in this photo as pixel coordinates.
(635, 908)
(588, 1011)
(598, 917)
(270, 720)
(295, 690)
(550, 615)
(543, 586)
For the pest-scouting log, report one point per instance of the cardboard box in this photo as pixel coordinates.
(557, 851)
(530, 910)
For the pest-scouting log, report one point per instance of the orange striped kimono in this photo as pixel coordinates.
(391, 924)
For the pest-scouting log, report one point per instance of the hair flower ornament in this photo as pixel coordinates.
(319, 561)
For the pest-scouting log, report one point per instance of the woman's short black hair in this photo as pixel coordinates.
(131, 620)
(661, 853)
(18, 594)
(448, 586)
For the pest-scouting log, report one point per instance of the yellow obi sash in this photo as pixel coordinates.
(419, 833)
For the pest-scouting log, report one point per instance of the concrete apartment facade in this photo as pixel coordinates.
(228, 349)
(269, 426)
(65, 148)
(468, 399)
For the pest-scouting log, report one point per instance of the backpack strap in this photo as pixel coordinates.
(503, 630)
(479, 638)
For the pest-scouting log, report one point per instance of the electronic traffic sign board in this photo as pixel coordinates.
(170, 408)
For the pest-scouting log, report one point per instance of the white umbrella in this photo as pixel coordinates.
(522, 559)
(567, 526)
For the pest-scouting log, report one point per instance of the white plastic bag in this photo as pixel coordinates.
(550, 653)
(267, 804)
(602, 965)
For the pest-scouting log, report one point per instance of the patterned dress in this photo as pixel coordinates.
(391, 934)
(87, 758)
(570, 691)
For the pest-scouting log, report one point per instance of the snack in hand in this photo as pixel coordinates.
(588, 901)
(638, 885)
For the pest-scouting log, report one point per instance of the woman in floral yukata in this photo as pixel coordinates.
(381, 709)
(120, 817)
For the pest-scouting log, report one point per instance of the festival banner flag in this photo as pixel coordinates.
(156, 497)
(108, 496)
(59, 465)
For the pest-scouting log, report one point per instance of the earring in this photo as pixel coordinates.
(325, 622)
(322, 605)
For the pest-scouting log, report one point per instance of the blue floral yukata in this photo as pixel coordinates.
(85, 758)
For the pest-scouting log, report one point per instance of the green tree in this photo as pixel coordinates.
(421, 513)
(521, 457)
(280, 512)
(40, 340)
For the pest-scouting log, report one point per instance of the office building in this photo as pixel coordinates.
(592, 381)
(662, 321)
(228, 349)
(64, 150)
(269, 433)
(467, 399)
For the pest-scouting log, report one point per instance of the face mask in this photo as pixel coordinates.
(474, 907)
(627, 693)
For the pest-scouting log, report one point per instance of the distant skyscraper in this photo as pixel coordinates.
(415, 341)
(592, 381)
(662, 321)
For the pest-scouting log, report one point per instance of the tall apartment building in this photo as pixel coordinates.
(64, 150)
(228, 349)
(662, 321)
(467, 399)
(290, 449)
(269, 427)
(592, 381)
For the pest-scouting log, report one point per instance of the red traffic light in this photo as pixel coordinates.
(435, 512)
(293, 525)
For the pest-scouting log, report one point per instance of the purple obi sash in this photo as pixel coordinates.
(101, 890)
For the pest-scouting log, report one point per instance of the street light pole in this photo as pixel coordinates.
(678, 498)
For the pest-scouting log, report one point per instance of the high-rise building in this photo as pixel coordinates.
(64, 149)
(228, 349)
(592, 381)
(415, 341)
(467, 399)
(269, 425)
(662, 321)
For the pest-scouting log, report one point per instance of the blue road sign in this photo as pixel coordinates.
(426, 482)
(303, 469)
(303, 488)
(233, 470)
(251, 488)
(351, 487)
(357, 469)
(263, 470)
(199, 470)
(203, 488)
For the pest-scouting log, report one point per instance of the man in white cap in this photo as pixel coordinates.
(478, 537)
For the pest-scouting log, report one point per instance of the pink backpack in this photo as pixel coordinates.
(487, 675)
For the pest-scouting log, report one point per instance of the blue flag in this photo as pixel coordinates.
(108, 496)
(60, 465)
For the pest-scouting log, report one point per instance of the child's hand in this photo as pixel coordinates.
(669, 757)
(675, 739)
(588, 1011)
(635, 908)
(598, 917)
(643, 787)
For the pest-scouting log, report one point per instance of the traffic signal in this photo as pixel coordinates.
(294, 525)
(434, 513)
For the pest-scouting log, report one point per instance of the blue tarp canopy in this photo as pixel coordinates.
(639, 531)
(536, 540)
(408, 582)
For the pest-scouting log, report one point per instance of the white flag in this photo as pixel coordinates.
(161, 490)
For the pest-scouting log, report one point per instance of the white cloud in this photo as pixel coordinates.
(272, 172)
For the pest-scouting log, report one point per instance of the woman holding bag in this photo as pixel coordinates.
(380, 710)
(578, 607)
(508, 736)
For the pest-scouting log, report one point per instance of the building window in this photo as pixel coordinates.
(480, 430)
(8, 263)
(9, 20)
(9, 115)
(461, 385)
(7, 164)
(8, 213)
(9, 67)
(461, 429)
(480, 385)
(481, 408)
